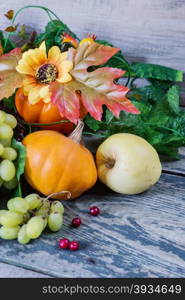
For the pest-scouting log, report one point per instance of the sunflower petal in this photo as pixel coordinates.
(34, 96)
(44, 91)
(66, 77)
(54, 55)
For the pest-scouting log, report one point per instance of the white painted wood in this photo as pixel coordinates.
(147, 30)
(9, 271)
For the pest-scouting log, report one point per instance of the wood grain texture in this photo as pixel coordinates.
(147, 31)
(177, 167)
(9, 271)
(151, 31)
(138, 236)
(135, 236)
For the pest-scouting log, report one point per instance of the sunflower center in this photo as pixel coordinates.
(47, 73)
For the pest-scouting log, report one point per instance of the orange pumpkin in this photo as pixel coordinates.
(56, 163)
(42, 113)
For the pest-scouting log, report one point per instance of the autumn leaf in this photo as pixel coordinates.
(10, 79)
(11, 28)
(94, 89)
(10, 14)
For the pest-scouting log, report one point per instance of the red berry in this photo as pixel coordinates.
(73, 246)
(94, 211)
(76, 222)
(64, 243)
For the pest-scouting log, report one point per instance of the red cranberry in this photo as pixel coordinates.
(76, 222)
(94, 211)
(64, 243)
(73, 246)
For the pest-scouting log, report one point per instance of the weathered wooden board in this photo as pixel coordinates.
(135, 236)
(177, 167)
(9, 271)
(149, 30)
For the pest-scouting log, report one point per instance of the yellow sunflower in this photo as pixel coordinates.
(40, 70)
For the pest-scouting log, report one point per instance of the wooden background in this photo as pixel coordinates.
(146, 30)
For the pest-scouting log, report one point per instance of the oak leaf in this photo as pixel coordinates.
(91, 88)
(10, 79)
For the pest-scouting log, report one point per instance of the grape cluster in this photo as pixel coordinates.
(7, 153)
(26, 218)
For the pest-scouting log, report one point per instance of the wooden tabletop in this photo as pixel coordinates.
(135, 236)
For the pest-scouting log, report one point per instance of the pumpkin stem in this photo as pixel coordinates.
(76, 135)
(59, 193)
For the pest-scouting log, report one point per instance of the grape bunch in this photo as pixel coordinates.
(7, 153)
(26, 218)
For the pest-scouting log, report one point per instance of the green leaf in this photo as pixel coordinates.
(9, 102)
(20, 161)
(53, 30)
(108, 117)
(92, 123)
(9, 45)
(173, 98)
(143, 70)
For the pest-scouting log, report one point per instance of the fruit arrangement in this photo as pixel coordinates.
(26, 218)
(52, 86)
(7, 153)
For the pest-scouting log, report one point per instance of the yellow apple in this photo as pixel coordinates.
(127, 164)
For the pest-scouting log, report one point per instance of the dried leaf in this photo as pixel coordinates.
(10, 14)
(95, 88)
(22, 32)
(10, 79)
(11, 28)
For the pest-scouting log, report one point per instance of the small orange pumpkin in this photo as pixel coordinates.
(56, 163)
(42, 113)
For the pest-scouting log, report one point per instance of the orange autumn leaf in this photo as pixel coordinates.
(10, 79)
(94, 89)
(10, 14)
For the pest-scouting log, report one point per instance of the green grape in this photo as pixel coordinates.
(2, 117)
(2, 211)
(6, 132)
(9, 233)
(35, 227)
(18, 204)
(34, 201)
(11, 121)
(9, 153)
(1, 149)
(23, 238)
(11, 219)
(55, 221)
(44, 210)
(57, 206)
(5, 142)
(10, 185)
(26, 217)
(7, 170)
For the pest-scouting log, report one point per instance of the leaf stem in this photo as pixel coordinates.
(94, 134)
(47, 10)
(46, 124)
(19, 189)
